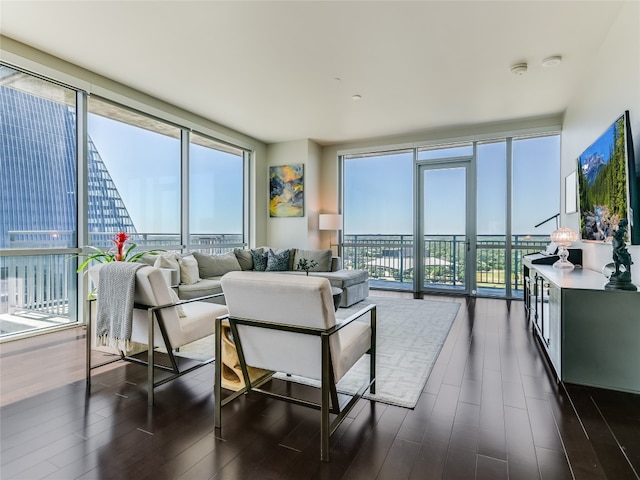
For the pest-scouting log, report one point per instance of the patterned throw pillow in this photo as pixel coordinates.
(259, 260)
(277, 262)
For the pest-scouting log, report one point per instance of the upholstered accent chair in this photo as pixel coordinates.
(159, 319)
(286, 323)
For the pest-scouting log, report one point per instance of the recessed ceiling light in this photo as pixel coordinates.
(356, 97)
(552, 61)
(519, 68)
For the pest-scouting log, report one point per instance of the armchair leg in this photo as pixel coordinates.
(324, 407)
(217, 387)
(150, 345)
(372, 353)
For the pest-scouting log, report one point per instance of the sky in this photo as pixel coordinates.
(378, 189)
(145, 167)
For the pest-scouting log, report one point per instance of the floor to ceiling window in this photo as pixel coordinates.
(476, 206)
(38, 203)
(378, 217)
(216, 196)
(164, 185)
(535, 197)
(134, 172)
(491, 208)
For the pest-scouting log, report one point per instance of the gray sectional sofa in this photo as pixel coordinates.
(197, 274)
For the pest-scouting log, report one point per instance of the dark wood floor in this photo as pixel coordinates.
(490, 410)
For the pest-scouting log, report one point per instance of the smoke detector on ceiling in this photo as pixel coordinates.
(519, 68)
(552, 61)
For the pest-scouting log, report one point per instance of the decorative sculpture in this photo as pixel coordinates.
(620, 279)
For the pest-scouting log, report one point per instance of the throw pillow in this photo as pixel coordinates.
(277, 262)
(244, 258)
(176, 299)
(259, 260)
(216, 265)
(167, 260)
(148, 260)
(322, 257)
(189, 270)
(170, 260)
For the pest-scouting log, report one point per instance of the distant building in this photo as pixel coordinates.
(38, 174)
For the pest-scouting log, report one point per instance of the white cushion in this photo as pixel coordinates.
(292, 300)
(189, 270)
(167, 260)
(152, 290)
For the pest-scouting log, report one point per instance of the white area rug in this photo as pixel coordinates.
(410, 336)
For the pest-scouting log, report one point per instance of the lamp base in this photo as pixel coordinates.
(564, 264)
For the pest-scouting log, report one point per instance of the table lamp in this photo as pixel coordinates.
(330, 221)
(563, 237)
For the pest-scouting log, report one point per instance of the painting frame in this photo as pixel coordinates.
(286, 190)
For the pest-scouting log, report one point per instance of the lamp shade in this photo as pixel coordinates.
(330, 221)
(564, 236)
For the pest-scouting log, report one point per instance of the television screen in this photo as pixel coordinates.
(606, 178)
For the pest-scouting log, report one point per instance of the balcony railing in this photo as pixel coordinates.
(38, 291)
(389, 260)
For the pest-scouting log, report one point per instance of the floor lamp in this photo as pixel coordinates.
(331, 221)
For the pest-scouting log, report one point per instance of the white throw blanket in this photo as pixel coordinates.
(116, 286)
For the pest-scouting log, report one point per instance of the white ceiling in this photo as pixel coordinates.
(270, 69)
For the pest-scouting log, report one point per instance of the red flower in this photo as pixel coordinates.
(120, 240)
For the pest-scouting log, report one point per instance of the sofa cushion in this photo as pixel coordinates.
(277, 251)
(206, 286)
(148, 259)
(189, 270)
(216, 265)
(277, 262)
(245, 260)
(166, 260)
(259, 260)
(322, 257)
(343, 278)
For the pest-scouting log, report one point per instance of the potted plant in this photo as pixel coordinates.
(119, 254)
(306, 265)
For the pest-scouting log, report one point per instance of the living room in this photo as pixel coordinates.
(603, 87)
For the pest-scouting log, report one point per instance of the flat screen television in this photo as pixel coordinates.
(608, 185)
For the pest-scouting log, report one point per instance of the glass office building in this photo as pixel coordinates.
(38, 181)
(38, 212)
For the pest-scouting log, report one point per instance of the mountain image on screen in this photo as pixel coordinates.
(592, 166)
(602, 184)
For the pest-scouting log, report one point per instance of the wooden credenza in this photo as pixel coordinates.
(591, 335)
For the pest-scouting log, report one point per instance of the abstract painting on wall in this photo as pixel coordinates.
(286, 191)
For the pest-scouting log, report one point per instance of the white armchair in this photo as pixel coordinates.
(287, 323)
(159, 319)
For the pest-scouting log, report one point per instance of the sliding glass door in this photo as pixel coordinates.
(443, 229)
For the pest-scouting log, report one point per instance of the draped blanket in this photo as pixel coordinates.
(116, 286)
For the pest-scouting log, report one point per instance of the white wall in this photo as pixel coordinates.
(611, 86)
(298, 232)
